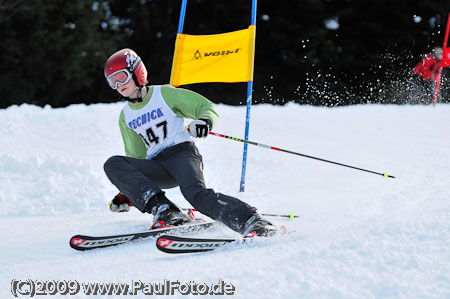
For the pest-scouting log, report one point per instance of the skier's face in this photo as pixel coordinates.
(128, 90)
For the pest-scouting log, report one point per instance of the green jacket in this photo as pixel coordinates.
(184, 103)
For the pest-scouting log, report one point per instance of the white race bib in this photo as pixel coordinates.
(158, 126)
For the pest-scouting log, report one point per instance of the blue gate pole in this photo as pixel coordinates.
(182, 13)
(247, 118)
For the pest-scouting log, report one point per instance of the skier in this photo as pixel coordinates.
(161, 154)
(427, 69)
(424, 77)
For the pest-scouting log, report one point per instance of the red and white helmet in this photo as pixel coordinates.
(124, 65)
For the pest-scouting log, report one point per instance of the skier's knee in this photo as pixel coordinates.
(112, 163)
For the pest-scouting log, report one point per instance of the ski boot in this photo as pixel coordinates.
(165, 213)
(259, 227)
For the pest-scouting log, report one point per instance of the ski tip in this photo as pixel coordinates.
(179, 244)
(76, 243)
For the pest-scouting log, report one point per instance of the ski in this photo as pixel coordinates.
(183, 244)
(84, 242)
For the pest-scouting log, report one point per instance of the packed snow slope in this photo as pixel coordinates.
(359, 235)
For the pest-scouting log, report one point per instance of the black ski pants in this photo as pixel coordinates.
(180, 165)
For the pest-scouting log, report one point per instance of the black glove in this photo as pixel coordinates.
(200, 128)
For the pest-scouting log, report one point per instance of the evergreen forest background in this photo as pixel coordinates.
(316, 52)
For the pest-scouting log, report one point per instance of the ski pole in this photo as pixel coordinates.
(290, 216)
(385, 175)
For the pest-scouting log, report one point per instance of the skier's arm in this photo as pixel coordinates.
(189, 104)
(134, 146)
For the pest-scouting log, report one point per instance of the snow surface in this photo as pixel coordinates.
(359, 235)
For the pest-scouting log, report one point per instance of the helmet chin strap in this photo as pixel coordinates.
(138, 99)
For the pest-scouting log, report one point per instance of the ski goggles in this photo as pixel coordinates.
(122, 76)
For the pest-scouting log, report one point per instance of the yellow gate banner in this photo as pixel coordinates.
(226, 57)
